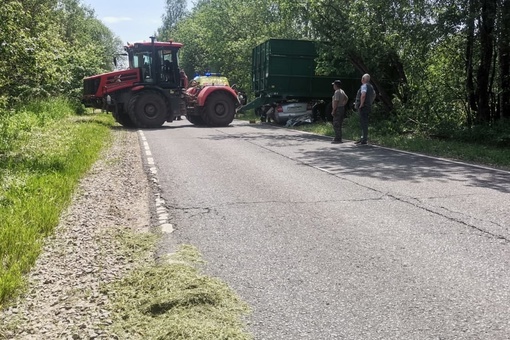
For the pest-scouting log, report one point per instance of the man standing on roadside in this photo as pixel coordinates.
(364, 100)
(338, 110)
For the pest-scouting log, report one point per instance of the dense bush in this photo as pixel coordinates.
(47, 47)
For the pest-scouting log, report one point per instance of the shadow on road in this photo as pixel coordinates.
(368, 161)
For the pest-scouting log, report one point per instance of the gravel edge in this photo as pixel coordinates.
(63, 299)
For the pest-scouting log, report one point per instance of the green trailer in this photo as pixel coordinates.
(284, 70)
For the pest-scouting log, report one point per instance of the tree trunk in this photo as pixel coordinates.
(504, 60)
(470, 85)
(487, 22)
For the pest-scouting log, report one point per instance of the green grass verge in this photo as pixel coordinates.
(475, 153)
(172, 300)
(44, 151)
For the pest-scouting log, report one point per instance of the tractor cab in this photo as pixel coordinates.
(157, 61)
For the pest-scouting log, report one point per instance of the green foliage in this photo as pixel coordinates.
(415, 51)
(219, 35)
(47, 47)
(42, 157)
(175, 10)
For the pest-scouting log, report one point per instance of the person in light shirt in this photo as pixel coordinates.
(338, 110)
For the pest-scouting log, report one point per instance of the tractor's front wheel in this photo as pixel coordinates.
(122, 117)
(219, 109)
(148, 109)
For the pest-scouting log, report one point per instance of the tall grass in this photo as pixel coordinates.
(44, 150)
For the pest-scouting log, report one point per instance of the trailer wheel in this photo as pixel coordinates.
(259, 111)
(195, 120)
(219, 109)
(319, 112)
(148, 109)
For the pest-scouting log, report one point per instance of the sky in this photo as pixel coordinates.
(131, 21)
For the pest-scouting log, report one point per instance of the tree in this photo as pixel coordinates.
(175, 10)
(487, 21)
(219, 35)
(90, 45)
(377, 37)
(48, 46)
(470, 45)
(412, 50)
(504, 58)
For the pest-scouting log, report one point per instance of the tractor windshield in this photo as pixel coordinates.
(142, 60)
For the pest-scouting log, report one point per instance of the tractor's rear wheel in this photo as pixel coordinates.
(219, 109)
(148, 109)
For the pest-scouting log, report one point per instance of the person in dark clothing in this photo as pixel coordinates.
(364, 100)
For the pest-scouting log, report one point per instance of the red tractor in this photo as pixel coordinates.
(153, 90)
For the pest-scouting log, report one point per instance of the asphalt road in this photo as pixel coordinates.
(340, 241)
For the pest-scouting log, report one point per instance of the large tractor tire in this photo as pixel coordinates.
(123, 118)
(148, 109)
(219, 109)
(195, 120)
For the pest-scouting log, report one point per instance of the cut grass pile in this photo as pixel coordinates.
(172, 300)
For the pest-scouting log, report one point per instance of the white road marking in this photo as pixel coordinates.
(161, 209)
